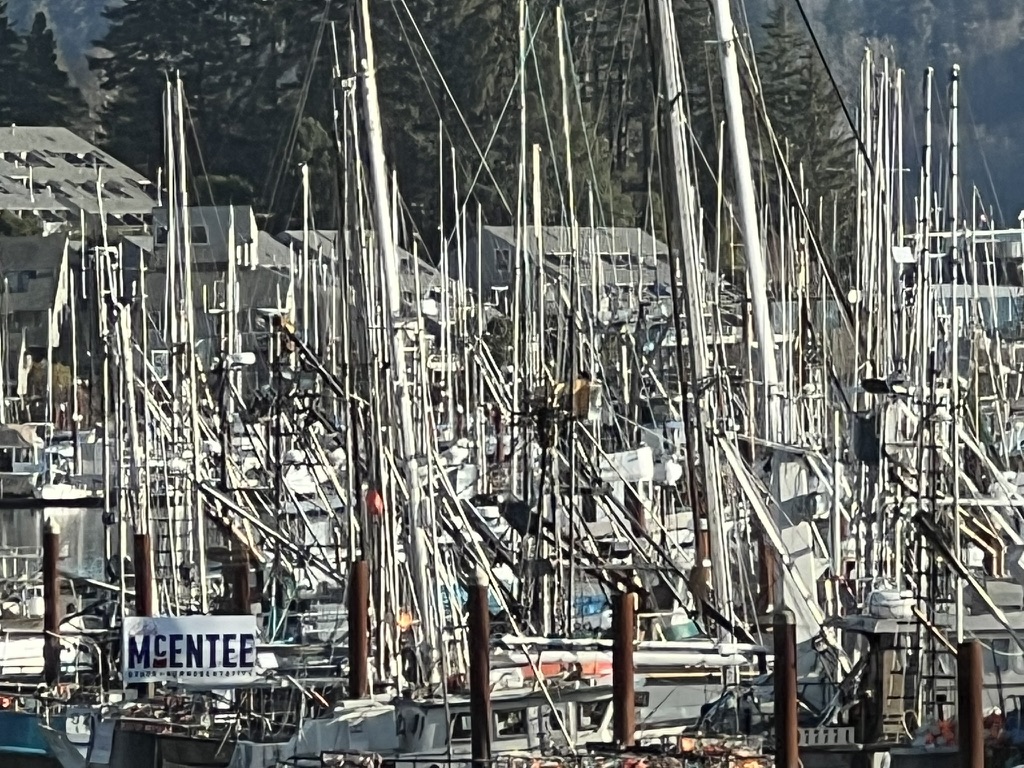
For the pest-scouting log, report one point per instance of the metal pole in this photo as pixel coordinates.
(51, 603)
(623, 696)
(971, 736)
(358, 629)
(480, 669)
(784, 632)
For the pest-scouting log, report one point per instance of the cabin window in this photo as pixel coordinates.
(462, 727)
(199, 236)
(1007, 656)
(6, 459)
(502, 260)
(510, 723)
(592, 714)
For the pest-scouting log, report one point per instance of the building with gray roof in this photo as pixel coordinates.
(62, 179)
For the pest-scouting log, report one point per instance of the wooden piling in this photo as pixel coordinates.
(970, 725)
(786, 741)
(480, 669)
(623, 695)
(143, 575)
(359, 629)
(52, 610)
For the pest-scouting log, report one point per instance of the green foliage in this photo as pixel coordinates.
(38, 381)
(34, 90)
(243, 64)
(13, 225)
(805, 114)
(48, 96)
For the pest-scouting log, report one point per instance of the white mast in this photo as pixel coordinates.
(420, 515)
(727, 41)
(685, 247)
(954, 225)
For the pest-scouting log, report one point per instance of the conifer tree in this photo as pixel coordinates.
(11, 51)
(805, 115)
(49, 98)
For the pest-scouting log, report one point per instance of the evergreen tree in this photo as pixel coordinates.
(242, 63)
(806, 118)
(11, 51)
(49, 98)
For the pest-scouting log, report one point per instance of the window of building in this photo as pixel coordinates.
(161, 235)
(18, 282)
(503, 260)
(199, 236)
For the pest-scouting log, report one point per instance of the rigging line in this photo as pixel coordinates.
(276, 171)
(458, 110)
(547, 123)
(835, 84)
(828, 268)
(583, 123)
(494, 134)
(616, 43)
(981, 150)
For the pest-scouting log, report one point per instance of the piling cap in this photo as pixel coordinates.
(479, 577)
(784, 617)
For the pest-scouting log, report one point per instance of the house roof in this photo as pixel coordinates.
(325, 240)
(215, 218)
(31, 253)
(622, 255)
(50, 168)
(603, 240)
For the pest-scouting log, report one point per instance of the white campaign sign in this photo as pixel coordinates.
(214, 651)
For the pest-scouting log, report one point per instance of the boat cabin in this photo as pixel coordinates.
(522, 720)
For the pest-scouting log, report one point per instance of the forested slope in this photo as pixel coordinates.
(260, 98)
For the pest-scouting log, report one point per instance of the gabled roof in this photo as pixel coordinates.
(601, 240)
(325, 240)
(31, 253)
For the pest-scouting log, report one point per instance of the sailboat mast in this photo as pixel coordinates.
(684, 243)
(743, 176)
(418, 520)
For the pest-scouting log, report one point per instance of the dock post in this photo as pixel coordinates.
(51, 603)
(623, 696)
(970, 728)
(786, 741)
(480, 669)
(143, 575)
(358, 629)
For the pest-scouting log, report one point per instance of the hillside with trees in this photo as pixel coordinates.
(257, 75)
